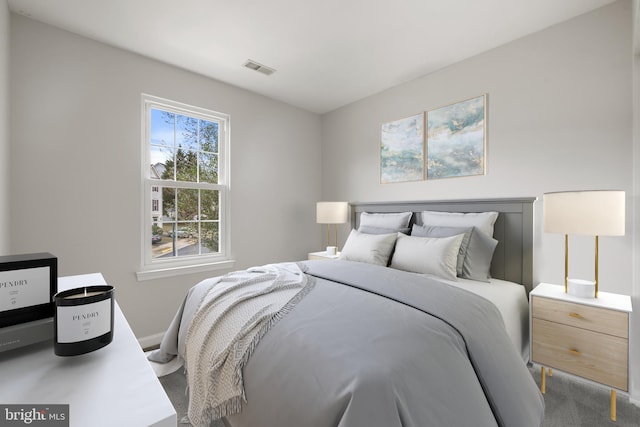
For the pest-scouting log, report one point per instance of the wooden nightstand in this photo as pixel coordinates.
(581, 336)
(323, 255)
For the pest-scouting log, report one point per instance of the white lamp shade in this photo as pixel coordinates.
(332, 212)
(588, 213)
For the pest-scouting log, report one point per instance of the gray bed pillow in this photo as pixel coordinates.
(385, 220)
(380, 230)
(477, 263)
(483, 221)
(476, 250)
(435, 231)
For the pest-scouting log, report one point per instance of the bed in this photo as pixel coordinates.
(354, 343)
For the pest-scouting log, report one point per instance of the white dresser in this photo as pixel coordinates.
(112, 386)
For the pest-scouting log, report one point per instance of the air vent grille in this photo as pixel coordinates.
(255, 66)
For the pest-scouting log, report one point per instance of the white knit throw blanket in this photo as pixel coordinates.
(236, 312)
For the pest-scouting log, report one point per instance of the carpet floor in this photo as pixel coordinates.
(175, 385)
(568, 402)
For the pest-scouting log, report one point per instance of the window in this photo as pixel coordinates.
(185, 189)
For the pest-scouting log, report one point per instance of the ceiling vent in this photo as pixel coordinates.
(253, 65)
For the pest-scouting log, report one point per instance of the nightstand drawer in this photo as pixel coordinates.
(602, 320)
(599, 357)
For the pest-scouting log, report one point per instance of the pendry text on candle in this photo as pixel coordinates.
(85, 316)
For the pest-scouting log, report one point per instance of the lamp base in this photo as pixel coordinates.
(582, 288)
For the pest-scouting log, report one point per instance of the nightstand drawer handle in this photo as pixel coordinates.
(576, 315)
(575, 352)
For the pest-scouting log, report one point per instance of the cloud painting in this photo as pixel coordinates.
(402, 150)
(456, 136)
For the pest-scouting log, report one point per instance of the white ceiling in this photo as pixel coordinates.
(327, 53)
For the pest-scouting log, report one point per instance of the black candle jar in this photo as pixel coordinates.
(83, 320)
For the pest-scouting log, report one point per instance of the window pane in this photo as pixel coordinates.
(209, 205)
(161, 244)
(187, 204)
(209, 136)
(186, 132)
(209, 237)
(209, 168)
(185, 239)
(162, 128)
(184, 230)
(161, 162)
(186, 165)
(168, 204)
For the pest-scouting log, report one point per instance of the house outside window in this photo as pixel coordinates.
(185, 189)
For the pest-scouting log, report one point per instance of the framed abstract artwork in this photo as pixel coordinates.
(456, 139)
(402, 150)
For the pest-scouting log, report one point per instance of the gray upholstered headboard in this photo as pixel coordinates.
(513, 258)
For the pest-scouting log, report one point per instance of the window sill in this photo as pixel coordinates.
(160, 273)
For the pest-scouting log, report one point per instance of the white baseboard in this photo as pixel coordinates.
(151, 340)
(635, 402)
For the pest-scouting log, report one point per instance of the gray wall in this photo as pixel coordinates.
(76, 159)
(559, 118)
(4, 127)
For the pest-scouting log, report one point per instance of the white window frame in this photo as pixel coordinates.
(157, 268)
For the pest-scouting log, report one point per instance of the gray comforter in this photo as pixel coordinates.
(371, 346)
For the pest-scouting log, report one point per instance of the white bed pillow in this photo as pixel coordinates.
(483, 221)
(430, 255)
(437, 231)
(369, 248)
(476, 250)
(385, 220)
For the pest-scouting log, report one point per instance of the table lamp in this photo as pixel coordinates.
(587, 213)
(332, 213)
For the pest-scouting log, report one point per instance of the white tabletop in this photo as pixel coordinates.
(112, 386)
(605, 299)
